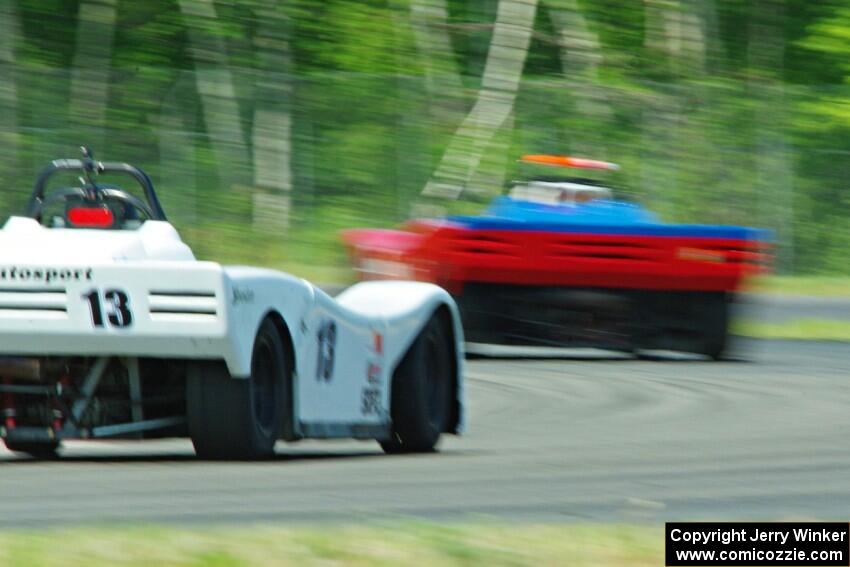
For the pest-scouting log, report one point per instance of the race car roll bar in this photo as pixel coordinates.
(91, 168)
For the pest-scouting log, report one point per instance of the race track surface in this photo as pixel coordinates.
(549, 440)
(782, 308)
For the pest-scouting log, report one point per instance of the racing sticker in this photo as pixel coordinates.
(378, 343)
(242, 295)
(46, 275)
(327, 347)
(370, 397)
(370, 401)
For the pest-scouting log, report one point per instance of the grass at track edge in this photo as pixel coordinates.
(812, 286)
(419, 544)
(795, 329)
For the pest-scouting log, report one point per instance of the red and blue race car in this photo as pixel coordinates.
(559, 262)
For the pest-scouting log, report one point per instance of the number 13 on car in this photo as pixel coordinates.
(115, 303)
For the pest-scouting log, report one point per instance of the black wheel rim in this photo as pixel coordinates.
(263, 386)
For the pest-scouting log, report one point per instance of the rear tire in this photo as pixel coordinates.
(421, 395)
(716, 317)
(41, 451)
(231, 418)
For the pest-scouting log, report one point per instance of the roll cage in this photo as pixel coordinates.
(93, 193)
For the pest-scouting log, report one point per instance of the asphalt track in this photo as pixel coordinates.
(788, 307)
(567, 439)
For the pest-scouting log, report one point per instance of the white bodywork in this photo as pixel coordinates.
(559, 192)
(52, 279)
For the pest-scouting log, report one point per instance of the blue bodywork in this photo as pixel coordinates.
(594, 217)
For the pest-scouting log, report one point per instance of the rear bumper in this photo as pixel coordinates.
(172, 310)
(453, 257)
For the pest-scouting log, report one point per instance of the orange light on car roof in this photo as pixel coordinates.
(566, 161)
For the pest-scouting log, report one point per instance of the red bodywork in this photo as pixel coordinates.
(452, 255)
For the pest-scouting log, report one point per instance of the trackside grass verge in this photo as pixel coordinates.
(433, 545)
(796, 329)
(822, 286)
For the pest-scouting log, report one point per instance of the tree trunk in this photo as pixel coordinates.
(177, 150)
(442, 77)
(271, 138)
(490, 176)
(713, 49)
(9, 35)
(90, 70)
(495, 102)
(581, 55)
(216, 89)
(774, 174)
(660, 119)
(676, 28)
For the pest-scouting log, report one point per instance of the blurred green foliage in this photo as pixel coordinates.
(719, 111)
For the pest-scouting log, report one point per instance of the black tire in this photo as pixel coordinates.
(716, 338)
(422, 395)
(43, 451)
(240, 419)
(696, 322)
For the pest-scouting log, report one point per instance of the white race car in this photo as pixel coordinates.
(109, 327)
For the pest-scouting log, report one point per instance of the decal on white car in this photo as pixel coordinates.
(46, 275)
(327, 350)
(117, 303)
(242, 295)
(371, 394)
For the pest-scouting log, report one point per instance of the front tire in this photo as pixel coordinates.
(231, 418)
(422, 394)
